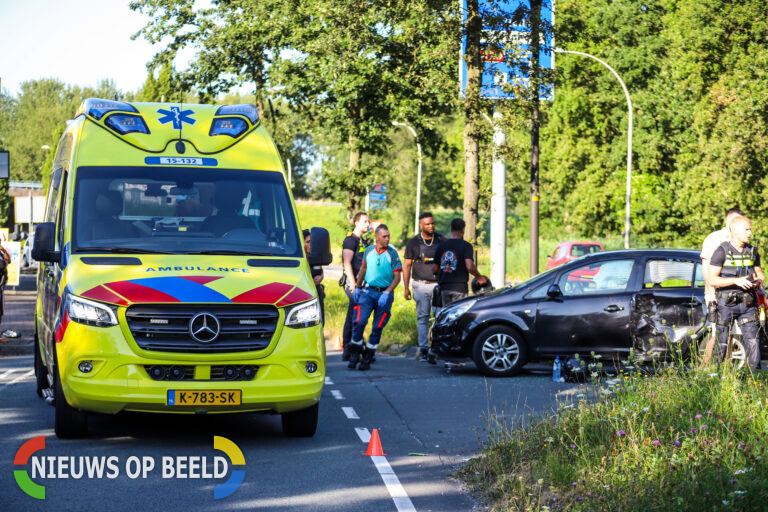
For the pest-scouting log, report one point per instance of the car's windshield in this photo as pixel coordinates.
(183, 211)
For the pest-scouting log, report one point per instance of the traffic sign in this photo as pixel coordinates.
(380, 188)
(378, 206)
(498, 68)
(377, 196)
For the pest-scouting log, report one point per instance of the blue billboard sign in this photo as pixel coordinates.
(499, 67)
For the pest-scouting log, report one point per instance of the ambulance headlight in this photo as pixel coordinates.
(306, 314)
(126, 123)
(232, 126)
(88, 312)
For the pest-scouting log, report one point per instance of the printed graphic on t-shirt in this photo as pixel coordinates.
(448, 262)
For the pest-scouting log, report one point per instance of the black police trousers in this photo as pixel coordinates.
(746, 316)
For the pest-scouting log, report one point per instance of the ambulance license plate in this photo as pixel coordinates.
(210, 397)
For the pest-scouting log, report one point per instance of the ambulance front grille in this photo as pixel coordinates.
(166, 327)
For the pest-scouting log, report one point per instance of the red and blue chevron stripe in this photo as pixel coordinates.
(191, 289)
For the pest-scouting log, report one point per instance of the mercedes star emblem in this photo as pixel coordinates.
(204, 327)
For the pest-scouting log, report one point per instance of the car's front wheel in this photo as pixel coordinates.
(302, 423)
(499, 351)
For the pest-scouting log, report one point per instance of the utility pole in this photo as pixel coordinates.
(535, 84)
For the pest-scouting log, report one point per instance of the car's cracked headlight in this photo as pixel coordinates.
(451, 313)
(88, 312)
(306, 314)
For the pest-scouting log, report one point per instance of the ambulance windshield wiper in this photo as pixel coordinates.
(122, 250)
(231, 253)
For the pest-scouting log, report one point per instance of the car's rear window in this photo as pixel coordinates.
(582, 249)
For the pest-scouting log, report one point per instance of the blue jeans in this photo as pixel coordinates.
(369, 303)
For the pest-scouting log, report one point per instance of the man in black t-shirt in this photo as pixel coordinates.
(735, 273)
(352, 250)
(419, 271)
(454, 262)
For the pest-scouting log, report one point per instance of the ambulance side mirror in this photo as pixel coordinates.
(45, 243)
(320, 247)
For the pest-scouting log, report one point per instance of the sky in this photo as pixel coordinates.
(80, 42)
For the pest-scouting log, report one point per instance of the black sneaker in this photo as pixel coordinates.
(431, 358)
(354, 355)
(345, 354)
(423, 358)
(365, 363)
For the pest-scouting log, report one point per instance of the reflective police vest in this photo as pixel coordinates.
(737, 265)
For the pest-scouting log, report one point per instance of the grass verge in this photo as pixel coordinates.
(677, 440)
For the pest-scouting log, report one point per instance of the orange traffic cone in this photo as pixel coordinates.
(374, 445)
(337, 344)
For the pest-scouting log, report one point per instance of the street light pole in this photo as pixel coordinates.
(629, 137)
(498, 204)
(418, 176)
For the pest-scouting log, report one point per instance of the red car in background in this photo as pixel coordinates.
(567, 251)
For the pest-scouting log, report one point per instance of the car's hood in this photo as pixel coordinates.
(189, 279)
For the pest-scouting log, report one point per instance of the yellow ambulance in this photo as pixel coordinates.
(173, 276)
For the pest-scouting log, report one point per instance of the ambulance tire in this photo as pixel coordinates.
(41, 372)
(301, 423)
(68, 422)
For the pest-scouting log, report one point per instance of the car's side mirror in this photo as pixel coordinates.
(554, 291)
(320, 247)
(45, 243)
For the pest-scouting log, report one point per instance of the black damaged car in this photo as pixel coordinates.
(649, 300)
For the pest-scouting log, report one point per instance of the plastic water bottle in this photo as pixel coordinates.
(557, 369)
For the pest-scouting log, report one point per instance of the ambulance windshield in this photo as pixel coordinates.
(180, 210)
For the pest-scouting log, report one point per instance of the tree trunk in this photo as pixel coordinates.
(535, 86)
(471, 115)
(354, 172)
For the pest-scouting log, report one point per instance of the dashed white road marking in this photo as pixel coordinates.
(396, 490)
(363, 434)
(328, 381)
(350, 413)
(393, 485)
(20, 377)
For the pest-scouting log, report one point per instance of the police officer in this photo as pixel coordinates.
(711, 243)
(352, 258)
(735, 273)
(379, 276)
(418, 268)
(317, 274)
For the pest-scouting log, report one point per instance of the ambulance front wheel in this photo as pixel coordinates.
(302, 423)
(68, 422)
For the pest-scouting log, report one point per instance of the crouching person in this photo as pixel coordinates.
(378, 277)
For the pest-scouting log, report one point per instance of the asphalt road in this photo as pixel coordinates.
(417, 409)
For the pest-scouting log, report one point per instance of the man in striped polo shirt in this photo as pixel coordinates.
(378, 277)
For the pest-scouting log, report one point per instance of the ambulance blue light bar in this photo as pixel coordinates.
(232, 126)
(245, 109)
(96, 108)
(126, 123)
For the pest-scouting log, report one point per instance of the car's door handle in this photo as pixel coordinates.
(613, 308)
